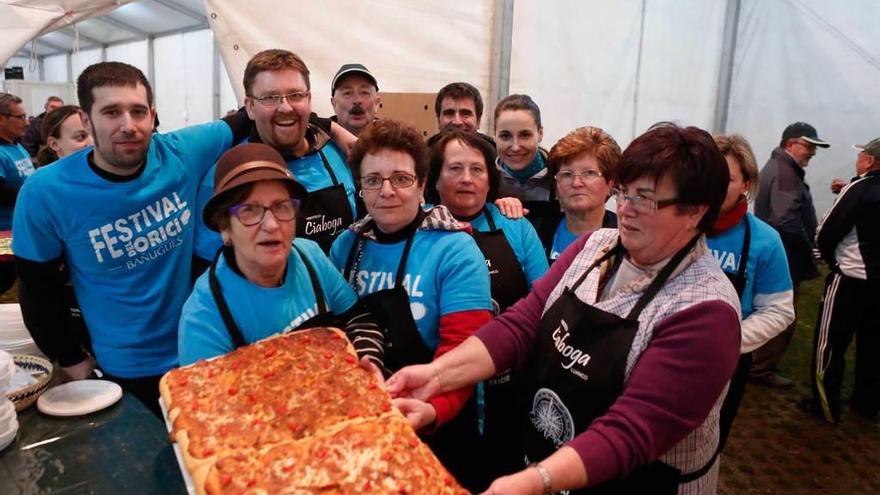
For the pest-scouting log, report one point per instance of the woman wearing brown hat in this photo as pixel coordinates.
(257, 285)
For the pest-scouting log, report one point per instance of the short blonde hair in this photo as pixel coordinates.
(739, 148)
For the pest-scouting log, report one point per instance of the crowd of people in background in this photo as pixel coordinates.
(537, 338)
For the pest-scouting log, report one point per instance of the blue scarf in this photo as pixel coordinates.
(523, 175)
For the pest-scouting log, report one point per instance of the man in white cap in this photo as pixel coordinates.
(355, 97)
(849, 240)
(784, 202)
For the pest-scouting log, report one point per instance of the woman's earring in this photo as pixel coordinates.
(361, 193)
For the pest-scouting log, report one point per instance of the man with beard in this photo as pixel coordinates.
(355, 97)
(459, 106)
(278, 101)
(120, 217)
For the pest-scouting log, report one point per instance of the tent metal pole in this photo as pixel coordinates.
(638, 80)
(215, 81)
(502, 38)
(151, 62)
(69, 60)
(725, 67)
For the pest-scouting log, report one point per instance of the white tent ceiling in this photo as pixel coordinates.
(48, 27)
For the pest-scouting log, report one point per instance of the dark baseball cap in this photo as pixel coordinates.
(247, 163)
(872, 148)
(804, 131)
(349, 69)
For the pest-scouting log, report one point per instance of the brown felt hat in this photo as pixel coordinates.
(244, 164)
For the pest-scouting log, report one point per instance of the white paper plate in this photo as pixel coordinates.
(8, 435)
(79, 397)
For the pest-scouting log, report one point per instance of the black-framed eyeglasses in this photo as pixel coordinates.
(272, 101)
(642, 204)
(398, 180)
(20, 116)
(566, 177)
(250, 214)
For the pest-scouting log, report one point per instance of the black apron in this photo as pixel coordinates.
(502, 407)
(737, 387)
(578, 373)
(455, 443)
(322, 319)
(545, 217)
(325, 213)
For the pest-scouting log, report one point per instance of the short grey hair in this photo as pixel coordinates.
(7, 100)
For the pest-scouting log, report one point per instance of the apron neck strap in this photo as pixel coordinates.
(491, 222)
(352, 265)
(328, 167)
(225, 314)
(744, 254)
(661, 279)
(313, 278)
(652, 290)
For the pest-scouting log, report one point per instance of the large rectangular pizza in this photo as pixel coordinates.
(295, 414)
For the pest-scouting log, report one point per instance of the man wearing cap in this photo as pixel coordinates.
(278, 100)
(849, 240)
(784, 202)
(354, 96)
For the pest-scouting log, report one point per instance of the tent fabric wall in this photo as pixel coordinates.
(408, 46)
(183, 85)
(587, 71)
(813, 61)
(55, 68)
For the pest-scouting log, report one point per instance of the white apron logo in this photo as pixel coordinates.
(317, 224)
(570, 355)
(550, 417)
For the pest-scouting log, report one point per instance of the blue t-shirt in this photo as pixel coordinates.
(15, 167)
(308, 171)
(445, 273)
(128, 245)
(563, 237)
(522, 239)
(767, 268)
(259, 311)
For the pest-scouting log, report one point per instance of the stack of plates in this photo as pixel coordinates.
(14, 337)
(8, 419)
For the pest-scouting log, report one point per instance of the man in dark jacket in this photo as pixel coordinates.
(33, 137)
(784, 202)
(849, 240)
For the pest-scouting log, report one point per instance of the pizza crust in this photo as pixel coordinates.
(354, 400)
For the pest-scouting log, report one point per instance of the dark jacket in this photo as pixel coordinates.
(784, 202)
(849, 236)
(33, 136)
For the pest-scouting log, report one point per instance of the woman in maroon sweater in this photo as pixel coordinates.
(629, 341)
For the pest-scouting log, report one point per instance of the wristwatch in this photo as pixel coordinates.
(545, 477)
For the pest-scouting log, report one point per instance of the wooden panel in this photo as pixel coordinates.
(416, 109)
